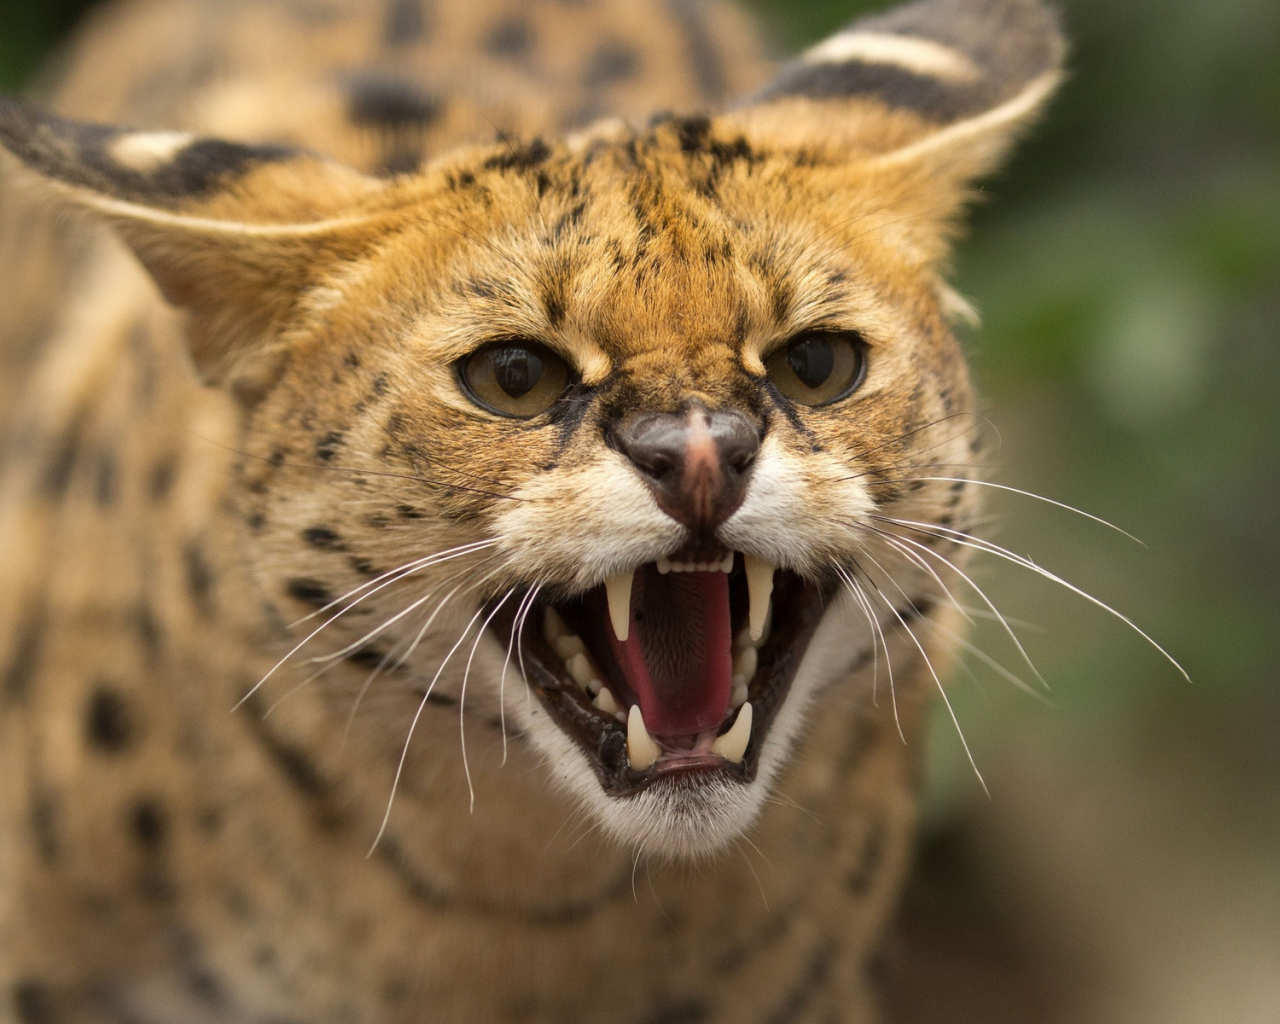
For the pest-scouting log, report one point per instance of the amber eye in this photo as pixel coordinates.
(517, 378)
(818, 367)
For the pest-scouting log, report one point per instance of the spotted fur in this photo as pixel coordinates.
(230, 399)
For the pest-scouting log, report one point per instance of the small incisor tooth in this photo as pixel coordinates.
(605, 702)
(732, 746)
(568, 645)
(618, 591)
(760, 590)
(739, 695)
(580, 669)
(553, 626)
(642, 751)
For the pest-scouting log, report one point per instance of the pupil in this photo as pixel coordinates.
(517, 370)
(812, 360)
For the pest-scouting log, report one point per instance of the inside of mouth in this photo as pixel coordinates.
(677, 661)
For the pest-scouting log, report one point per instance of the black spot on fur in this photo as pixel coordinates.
(380, 101)
(295, 766)
(409, 512)
(614, 61)
(57, 475)
(148, 824)
(32, 1003)
(512, 37)
(256, 521)
(323, 538)
(79, 154)
(862, 876)
(162, 478)
(367, 657)
(200, 577)
(109, 724)
(406, 22)
(692, 1011)
(798, 999)
(327, 446)
(20, 672)
(442, 700)
(104, 487)
(310, 592)
(45, 811)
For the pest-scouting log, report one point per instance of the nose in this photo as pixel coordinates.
(697, 462)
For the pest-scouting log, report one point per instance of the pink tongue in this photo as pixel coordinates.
(678, 658)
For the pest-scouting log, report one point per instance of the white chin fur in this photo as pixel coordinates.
(684, 820)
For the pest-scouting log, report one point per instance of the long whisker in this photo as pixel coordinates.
(1037, 497)
(462, 697)
(942, 690)
(977, 544)
(325, 625)
(981, 594)
(855, 587)
(517, 627)
(404, 752)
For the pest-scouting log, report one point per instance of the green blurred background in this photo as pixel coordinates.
(1127, 865)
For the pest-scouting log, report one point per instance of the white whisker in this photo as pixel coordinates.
(462, 697)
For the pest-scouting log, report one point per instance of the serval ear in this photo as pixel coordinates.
(924, 98)
(231, 233)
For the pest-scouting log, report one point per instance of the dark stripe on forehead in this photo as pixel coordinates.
(81, 154)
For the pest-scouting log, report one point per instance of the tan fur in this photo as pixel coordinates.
(163, 858)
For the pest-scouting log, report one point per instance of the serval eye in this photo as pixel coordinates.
(518, 378)
(819, 367)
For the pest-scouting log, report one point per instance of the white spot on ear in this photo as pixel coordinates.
(919, 56)
(145, 151)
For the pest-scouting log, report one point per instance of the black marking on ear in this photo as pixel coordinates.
(613, 61)
(512, 37)
(109, 723)
(407, 22)
(708, 71)
(389, 102)
(942, 59)
(32, 1003)
(80, 154)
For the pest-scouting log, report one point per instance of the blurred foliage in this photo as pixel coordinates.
(1128, 270)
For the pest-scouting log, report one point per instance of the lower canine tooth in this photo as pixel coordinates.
(618, 590)
(641, 750)
(760, 589)
(732, 746)
(605, 702)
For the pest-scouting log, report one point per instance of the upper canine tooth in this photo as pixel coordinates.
(760, 589)
(553, 626)
(618, 590)
(664, 565)
(641, 750)
(732, 746)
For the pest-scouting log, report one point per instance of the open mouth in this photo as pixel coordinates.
(678, 667)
